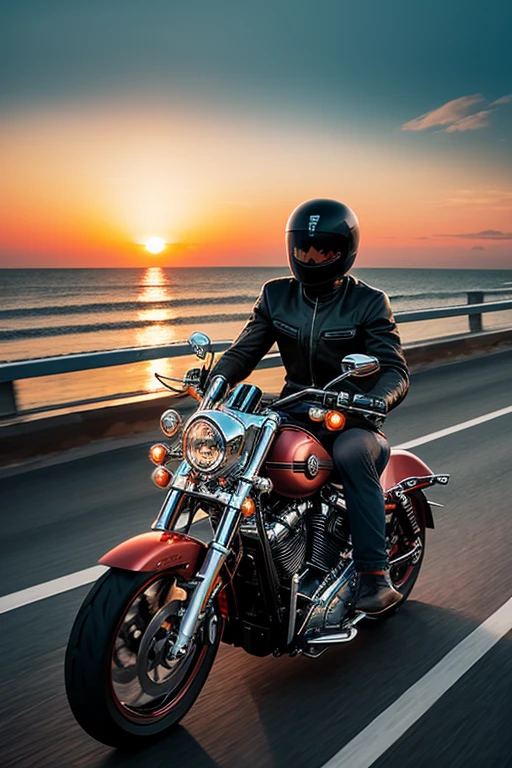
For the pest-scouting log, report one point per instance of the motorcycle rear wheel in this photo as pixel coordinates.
(122, 685)
(404, 577)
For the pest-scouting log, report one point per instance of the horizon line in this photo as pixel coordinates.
(259, 266)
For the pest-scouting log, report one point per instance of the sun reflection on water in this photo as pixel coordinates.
(155, 288)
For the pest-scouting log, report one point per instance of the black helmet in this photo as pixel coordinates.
(322, 238)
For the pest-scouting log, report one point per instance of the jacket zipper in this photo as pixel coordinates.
(311, 344)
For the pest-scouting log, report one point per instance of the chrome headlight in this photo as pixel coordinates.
(213, 441)
(170, 422)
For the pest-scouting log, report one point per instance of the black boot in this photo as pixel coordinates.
(376, 593)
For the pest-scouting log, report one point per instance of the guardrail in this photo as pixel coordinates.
(49, 366)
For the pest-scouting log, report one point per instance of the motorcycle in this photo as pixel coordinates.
(276, 576)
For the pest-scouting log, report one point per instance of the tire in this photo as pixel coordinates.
(404, 577)
(122, 687)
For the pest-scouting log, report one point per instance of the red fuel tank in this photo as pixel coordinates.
(298, 464)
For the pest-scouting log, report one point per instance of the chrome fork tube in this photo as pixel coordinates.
(218, 549)
(267, 434)
(207, 577)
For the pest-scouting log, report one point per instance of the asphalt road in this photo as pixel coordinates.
(282, 712)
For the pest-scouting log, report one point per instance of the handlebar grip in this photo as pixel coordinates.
(330, 401)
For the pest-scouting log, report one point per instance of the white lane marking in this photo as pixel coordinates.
(80, 578)
(456, 428)
(390, 725)
(50, 588)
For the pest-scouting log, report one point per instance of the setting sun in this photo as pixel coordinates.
(155, 245)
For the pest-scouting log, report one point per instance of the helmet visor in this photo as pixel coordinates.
(317, 250)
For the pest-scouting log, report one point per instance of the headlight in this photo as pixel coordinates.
(170, 422)
(205, 446)
(213, 443)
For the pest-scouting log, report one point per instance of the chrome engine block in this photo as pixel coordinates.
(328, 529)
(285, 525)
(305, 532)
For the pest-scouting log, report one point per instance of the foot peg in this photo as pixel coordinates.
(331, 638)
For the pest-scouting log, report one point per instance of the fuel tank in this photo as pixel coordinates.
(298, 464)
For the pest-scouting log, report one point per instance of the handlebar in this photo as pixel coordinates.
(334, 401)
(328, 398)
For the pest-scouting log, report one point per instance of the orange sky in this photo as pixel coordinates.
(85, 187)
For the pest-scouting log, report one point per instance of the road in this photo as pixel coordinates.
(283, 712)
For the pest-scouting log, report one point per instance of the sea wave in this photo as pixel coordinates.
(129, 306)
(65, 330)
(433, 295)
(120, 306)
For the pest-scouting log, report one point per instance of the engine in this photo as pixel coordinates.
(305, 532)
(328, 529)
(287, 534)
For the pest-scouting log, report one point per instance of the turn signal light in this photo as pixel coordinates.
(158, 453)
(248, 507)
(161, 477)
(334, 420)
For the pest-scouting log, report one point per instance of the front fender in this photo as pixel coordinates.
(157, 551)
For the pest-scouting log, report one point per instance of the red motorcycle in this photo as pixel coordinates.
(276, 577)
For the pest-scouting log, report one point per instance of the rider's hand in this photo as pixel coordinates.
(373, 409)
(368, 403)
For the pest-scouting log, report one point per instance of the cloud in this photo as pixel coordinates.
(478, 248)
(457, 115)
(497, 199)
(485, 234)
(447, 114)
(503, 100)
(471, 122)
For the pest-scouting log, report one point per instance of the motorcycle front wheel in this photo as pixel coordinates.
(122, 685)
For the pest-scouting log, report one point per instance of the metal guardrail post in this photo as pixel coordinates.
(475, 321)
(7, 399)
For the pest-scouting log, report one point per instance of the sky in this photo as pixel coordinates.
(206, 124)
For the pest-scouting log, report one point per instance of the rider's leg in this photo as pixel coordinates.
(360, 456)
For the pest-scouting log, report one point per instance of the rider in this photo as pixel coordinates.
(317, 317)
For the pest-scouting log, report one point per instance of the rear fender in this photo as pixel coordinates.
(157, 551)
(406, 473)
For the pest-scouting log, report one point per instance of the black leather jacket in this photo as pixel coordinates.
(313, 335)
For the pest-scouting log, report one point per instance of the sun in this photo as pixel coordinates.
(155, 244)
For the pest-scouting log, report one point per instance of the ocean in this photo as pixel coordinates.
(46, 312)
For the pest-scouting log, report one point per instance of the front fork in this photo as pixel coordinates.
(219, 547)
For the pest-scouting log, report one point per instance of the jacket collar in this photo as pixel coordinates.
(326, 298)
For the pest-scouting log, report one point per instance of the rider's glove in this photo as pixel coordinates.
(374, 409)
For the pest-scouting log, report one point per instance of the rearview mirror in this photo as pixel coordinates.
(201, 344)
(360, 365)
